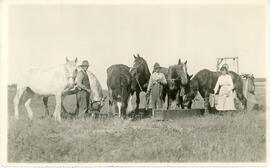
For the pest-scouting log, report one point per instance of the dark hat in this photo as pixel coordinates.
(225, 65)
(157, 66)
(84, 63)
(223, 68)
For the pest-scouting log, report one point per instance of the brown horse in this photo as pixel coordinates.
(140, 77)
(119, 88)
(204, 82)
(177, 79)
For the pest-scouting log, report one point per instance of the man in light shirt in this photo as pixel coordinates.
(156, 82)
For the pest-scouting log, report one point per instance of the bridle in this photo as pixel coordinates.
(177, 79)
(136, 76)
(96, 101)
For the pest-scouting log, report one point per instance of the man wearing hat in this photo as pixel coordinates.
(157, 79)
(83, 95)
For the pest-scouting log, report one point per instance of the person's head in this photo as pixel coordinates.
(157, 67)
(223, 70)
(84, 65)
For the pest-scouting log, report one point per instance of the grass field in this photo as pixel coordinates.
(240, 137)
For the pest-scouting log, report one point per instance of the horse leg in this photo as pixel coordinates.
(242, 98)
(17, 101)
(110, 100)
(57, 111)
(137, 102)
(45, 102)
(119, 108)
(146, 105)
(206, 102)
(28, 108)
(177, 100)
(129, 105)
(181, 102)
(170, 100)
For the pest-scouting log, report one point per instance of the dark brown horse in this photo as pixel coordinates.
(119, 87)
(204, 82)
(177, 79)
(140, 77)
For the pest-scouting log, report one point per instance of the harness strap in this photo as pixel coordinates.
(139, 83)
(173, 79)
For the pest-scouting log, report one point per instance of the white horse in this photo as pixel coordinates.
(46, 82)
(97, 99)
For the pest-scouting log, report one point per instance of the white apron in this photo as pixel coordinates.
(225, 99)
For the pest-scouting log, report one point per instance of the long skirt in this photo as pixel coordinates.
(225, 99)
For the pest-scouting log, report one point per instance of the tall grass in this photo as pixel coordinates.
(213, 138)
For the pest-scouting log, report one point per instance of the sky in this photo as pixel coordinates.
(43, 35)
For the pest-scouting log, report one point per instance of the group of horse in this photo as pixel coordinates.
(123, 82)
(181, 87)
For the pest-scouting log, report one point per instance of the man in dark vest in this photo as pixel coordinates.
(83, 96)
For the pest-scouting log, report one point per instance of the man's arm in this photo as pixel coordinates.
(150, 84)
(163, 79)
(79, 82)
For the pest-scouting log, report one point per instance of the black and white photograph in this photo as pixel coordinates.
(130, 83)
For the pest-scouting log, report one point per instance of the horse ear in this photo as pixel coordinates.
(67, 60)
(76, 60)
(190, 76)
(138, 55)
(134, 56)
(185, 62)
(179, 61)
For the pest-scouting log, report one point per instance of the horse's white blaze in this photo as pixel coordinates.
(119, 105)
(130, 106)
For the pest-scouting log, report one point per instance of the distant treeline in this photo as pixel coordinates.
(260, 79)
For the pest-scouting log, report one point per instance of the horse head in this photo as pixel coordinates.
(140, 73)
(97, 105)
(193, 88)
(71, 71)
(177, 75)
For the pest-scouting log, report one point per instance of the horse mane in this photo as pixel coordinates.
(171, 71)
(141, 73)
(97, 92)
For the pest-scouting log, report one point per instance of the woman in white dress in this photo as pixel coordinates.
(224, 89)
